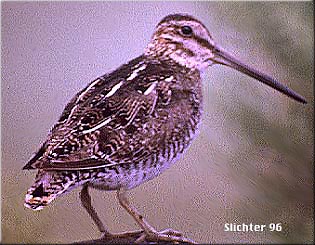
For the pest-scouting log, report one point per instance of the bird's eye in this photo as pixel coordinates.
(187, 31)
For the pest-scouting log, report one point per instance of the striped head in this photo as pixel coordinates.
(183, 39)
(186, 41)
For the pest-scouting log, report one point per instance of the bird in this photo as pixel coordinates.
(128, 126)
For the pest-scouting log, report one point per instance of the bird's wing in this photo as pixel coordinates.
(89, 129)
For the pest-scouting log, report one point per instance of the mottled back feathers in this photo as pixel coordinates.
(104, 121)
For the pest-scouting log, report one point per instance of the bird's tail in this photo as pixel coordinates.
(47, 186)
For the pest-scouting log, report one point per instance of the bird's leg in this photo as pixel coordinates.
(150, 234)
(87, 204)
(123, 201)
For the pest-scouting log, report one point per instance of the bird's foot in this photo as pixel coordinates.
(167, 235)
(128, 234)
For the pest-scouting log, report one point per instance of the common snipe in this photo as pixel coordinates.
(128, 126)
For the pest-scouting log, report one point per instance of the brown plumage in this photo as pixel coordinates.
(128, 126)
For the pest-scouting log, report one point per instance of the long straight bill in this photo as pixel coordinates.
(222, 57)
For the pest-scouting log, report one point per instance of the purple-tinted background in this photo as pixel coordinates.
(252, 161)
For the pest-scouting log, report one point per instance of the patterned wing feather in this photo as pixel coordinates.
(94, 118)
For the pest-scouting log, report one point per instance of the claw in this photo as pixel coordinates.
(172, 232)
(167, 235)
(124, 234)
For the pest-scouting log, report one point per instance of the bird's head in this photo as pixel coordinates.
(186, 41)
(183, 39)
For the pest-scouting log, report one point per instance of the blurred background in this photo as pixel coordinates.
(252, 161)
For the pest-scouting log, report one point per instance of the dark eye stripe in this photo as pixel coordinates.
(176, 30)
